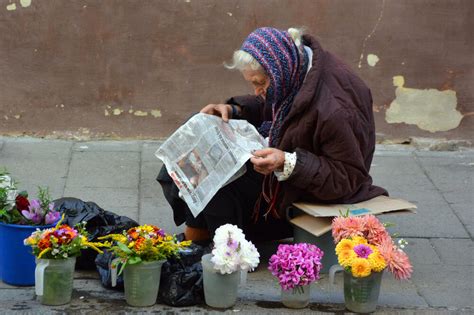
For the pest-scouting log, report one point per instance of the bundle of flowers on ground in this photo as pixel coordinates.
(144, 243)
(296, 265)
(359, 257)
(364, 245)
(16, 208)
(232, 251)
(61, 241)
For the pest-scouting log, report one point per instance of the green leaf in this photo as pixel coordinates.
(124, 248)
(134, 260)
(122, 268)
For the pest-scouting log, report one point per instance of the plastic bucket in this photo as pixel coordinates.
(17, 263)
(54, 280)
(142, 282)
(220, 290)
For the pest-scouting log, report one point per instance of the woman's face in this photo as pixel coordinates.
(259, 81)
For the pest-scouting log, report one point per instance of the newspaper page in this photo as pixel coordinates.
(205, 154)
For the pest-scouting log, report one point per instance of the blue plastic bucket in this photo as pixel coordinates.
(17, 263)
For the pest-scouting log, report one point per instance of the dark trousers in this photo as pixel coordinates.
(233, 203)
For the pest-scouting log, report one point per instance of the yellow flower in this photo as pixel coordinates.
(377, 262)
(343, 245)
(115, 237)
(359, 240)
(360, 267)
(346, 257)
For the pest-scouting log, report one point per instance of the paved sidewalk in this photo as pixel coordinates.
(120, 177)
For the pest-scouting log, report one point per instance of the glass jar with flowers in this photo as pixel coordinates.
(296, 266)
(56, 250)
(231, 256)
(141, 251)
(364, 250)
(19, 217)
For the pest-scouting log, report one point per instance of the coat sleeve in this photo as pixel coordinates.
(339, 170)
(252, 108)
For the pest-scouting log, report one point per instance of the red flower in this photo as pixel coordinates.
(22, 203)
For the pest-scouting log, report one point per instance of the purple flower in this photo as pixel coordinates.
(52, 217)
(362, 250)
(34, 212)
(34, 217)
(297, 264)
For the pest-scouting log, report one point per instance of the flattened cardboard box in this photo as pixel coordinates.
(318, 217)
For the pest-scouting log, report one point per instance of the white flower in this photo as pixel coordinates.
(232, 251)
(224, 260)
(226, 231)
(7, 182)
(249, 256)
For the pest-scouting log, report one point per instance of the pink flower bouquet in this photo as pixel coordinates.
(296, 264)
(374, 234)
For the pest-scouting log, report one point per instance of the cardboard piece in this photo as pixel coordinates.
(318, 217)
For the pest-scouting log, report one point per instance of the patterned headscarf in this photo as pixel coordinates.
(276, 52)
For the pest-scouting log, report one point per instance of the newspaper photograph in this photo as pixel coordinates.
(207, 153)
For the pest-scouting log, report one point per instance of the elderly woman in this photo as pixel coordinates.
(317, 115)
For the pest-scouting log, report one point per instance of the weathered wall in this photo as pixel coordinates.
(139, 68)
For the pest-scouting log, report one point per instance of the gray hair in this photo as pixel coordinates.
(242, 60)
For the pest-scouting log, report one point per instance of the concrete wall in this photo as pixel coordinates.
(139, 68)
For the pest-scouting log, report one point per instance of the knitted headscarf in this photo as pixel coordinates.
(276, 52)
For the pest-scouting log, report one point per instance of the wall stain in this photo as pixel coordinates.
(430, 109)
(25, 3)
(372, 59)
(11, 7)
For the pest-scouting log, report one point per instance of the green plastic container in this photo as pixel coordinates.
(220, 290)
(361, 295)
(54, 280)
(142, 282)
(297, 297)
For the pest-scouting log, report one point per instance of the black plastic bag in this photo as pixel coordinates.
(103, 262)
(99, 223)
(181, 281)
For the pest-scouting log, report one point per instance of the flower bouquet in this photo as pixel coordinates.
(56, 250)
(232, 255)
(16, 208)
(364, 249)
(19, 217)
(296, 266)
(140, 252)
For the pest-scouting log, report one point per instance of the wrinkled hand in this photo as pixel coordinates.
(222, 110)
(268, 160)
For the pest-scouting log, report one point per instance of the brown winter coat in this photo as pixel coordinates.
(331, 128)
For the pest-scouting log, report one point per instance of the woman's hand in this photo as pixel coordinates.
(222, 110)
(268, 160)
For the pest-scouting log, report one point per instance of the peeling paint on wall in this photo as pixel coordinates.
(364, 43)
(140, 113)
(108, 111)
(11, 7)
(117, 111)
(372, 60)
(25, 3)
(430, 109)
(156, 113)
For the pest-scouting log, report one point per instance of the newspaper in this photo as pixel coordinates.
(207, 153)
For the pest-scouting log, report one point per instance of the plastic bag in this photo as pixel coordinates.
(181, 281)
(103, 262)
(99, 223)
